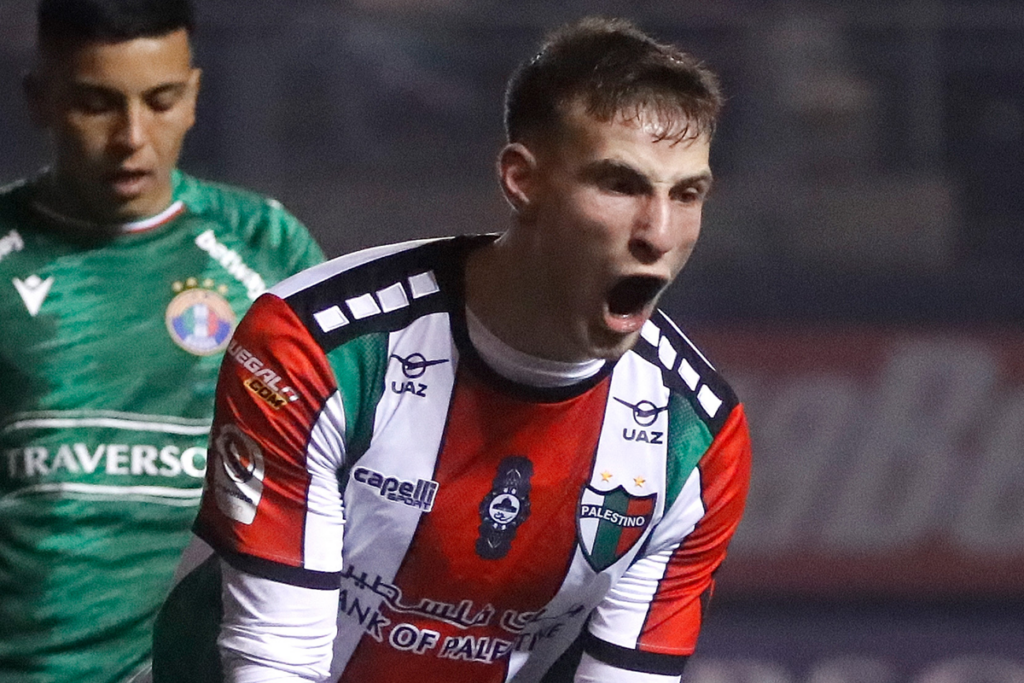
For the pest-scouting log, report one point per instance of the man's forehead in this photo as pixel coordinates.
(662, 123)
(81, 58)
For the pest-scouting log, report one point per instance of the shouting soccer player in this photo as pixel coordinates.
(534, 472)
(121, 282)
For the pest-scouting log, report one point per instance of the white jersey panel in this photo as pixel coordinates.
(682, 518)
(631, 450)
(621, 617)
(322, 539)
(274, 627)
(392, 484)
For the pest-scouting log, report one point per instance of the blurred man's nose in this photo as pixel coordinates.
(130, 134)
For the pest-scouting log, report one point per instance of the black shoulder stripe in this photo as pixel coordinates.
(381, 295)
(685, 371)
(293, 576)
(633, 660)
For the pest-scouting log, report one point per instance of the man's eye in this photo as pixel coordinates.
(94, 104)
(620, 185)
(690, 195)
(163, 101)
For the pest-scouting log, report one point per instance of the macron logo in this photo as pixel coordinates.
(33, 291)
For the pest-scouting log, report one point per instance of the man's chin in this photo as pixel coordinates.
(121, 208)
(609, 344)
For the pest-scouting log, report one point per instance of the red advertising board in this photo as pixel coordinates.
(887, 462)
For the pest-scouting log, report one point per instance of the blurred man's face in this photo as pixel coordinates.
(117, 113)
(618, 211)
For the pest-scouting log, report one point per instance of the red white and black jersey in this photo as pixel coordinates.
(487, 525)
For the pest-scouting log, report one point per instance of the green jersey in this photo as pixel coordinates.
(109, 353)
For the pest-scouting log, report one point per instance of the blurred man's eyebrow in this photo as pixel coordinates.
(86, 85)
(165, 87)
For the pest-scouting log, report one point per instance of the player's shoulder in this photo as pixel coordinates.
(378, 289)
(686, 371)
(14, 224)
(230, 206)
(246, 220)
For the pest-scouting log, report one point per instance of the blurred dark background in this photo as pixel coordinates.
(859, 276)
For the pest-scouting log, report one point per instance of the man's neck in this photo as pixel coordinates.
(509, 300)
(57, 200)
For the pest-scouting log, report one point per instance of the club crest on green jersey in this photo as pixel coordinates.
(611, 523)
(200, 320)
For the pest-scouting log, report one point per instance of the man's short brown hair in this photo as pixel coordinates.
(612, 68)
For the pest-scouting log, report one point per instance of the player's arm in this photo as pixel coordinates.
(274, 631)
(647, 627)
(272, 508)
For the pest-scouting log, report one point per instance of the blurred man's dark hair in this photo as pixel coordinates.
(63, 23)
(612, 68)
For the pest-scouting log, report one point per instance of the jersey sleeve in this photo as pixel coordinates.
(650, 619)
(272, 505)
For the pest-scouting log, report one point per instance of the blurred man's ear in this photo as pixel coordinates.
(517, 172)
(35, 98)
(195, 79)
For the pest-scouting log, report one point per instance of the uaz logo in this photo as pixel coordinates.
(645, 414)
(416, 364)
(413, 367)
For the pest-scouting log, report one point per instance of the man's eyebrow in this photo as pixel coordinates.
(89, 86)
(608, 167)
(705, 178)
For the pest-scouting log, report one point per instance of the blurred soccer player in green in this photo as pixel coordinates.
(121, 281)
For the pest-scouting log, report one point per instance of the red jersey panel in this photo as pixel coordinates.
(502, 533)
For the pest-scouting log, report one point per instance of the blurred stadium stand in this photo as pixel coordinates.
(859, 274)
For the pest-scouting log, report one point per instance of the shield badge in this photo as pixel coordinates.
(609, 523)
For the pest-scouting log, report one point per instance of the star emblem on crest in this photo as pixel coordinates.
(639, 481)
(606, 476)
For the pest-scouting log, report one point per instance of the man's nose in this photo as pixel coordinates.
(130, 133)
(655, 233)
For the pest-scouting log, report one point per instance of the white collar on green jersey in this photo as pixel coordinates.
(165, 216)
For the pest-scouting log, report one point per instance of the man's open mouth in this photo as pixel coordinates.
(632, 295)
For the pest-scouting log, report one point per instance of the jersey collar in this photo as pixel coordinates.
(176, 208)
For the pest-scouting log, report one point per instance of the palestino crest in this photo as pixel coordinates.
(610, 523)
(200, 320)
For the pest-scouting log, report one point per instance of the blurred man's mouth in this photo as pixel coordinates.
(129, 183)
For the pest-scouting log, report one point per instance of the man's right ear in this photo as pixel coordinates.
(35, 98)
(517, 172)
